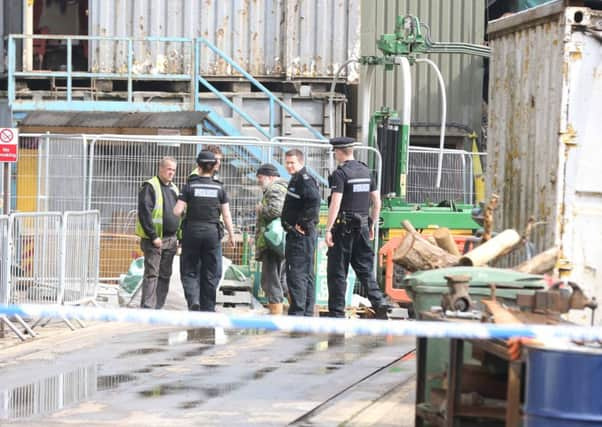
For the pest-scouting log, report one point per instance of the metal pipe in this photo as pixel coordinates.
(443, 115)
(462, 48)
(6, 183)
(366, 98)
(130, 82)
(331, 95)
(69, 70)
(406, 116)
(28, 31)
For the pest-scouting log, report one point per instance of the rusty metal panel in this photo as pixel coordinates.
(544, 128)
(525, 101)
(292, 38)
(449, 20)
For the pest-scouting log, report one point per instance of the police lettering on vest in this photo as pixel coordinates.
(204, 197)
(353, 179)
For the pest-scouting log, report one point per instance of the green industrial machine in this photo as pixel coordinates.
(389, 131)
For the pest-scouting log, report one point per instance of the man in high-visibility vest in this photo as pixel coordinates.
(158, 227)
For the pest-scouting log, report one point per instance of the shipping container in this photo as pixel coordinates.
(12, 22)
(544, 154)
(270, 38)
(449, 20)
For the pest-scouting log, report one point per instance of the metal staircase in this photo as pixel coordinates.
(74, 90)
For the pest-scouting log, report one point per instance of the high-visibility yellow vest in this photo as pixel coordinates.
(157, 212)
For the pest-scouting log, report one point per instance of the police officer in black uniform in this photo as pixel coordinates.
(204, 199)
(300, 215)
(350, 228)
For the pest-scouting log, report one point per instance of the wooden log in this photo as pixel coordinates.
(415, 252)
(445, 241)
(492, 249)
(540, 263)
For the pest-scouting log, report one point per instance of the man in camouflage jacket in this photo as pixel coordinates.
(273, 281)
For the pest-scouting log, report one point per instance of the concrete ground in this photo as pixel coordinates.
(129, 375)
(125, 374)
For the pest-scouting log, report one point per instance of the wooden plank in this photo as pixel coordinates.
(456, 352)
(477, 379)
(493, 413)
(513, 415)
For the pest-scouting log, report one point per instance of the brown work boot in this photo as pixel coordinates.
(275, 308)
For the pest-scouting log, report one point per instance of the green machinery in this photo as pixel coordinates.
(389, 131)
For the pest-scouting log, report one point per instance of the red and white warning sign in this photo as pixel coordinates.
(9, 143)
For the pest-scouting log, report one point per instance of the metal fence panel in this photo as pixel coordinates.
(117, 165)
(120, 164)
(81, 248)
(51, 173)
(456, 176)
(34, 257)
(4, 259)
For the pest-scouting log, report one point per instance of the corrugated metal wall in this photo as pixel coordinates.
(449, 20)
(525, 92)
(299, 38)
(11, 20)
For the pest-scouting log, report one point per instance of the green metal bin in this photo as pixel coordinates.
(427, 287)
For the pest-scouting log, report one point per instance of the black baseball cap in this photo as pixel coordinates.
(206, 156)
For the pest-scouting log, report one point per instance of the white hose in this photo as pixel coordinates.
(366, 99)
(443, 115)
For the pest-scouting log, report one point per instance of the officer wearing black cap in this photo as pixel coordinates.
(203, 199)
(350, 228)
(300, 215)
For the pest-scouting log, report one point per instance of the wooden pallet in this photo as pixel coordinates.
(229, 297)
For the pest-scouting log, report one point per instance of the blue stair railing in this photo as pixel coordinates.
(272, 99)
(190, 47)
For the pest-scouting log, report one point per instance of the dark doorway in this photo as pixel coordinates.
(65, 17)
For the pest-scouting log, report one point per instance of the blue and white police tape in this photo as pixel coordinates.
(317, 325)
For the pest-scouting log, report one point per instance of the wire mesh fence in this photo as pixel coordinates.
(49, 257)
(81, 248)
(104, 173)
(120, 164)
(34, 257)
(50, 174)
(4, 266)
(456, 176)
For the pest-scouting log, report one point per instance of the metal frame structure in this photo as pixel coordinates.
(192, 76)
(45, 254)
(108, 169)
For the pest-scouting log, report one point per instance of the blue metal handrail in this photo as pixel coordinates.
(194, 77)
(273, 99)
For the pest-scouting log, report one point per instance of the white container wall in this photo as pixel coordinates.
(544, 154)
(279, 38)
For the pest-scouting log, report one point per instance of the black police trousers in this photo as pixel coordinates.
(299, 254)
(351, 246)
(200, 266)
